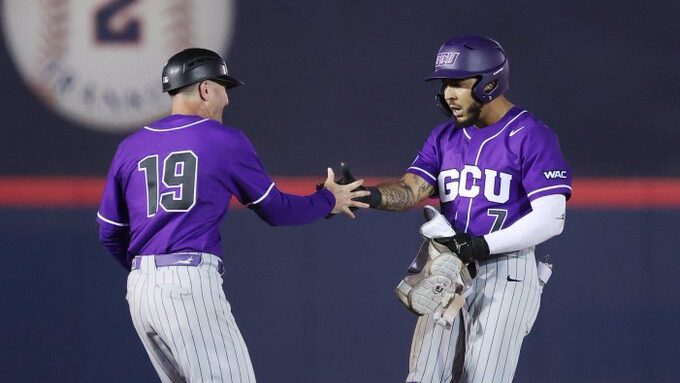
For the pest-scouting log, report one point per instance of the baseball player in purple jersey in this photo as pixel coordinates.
(167, 191)
(502, 184)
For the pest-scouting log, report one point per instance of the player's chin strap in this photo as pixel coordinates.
(438, 277)
(441, 103)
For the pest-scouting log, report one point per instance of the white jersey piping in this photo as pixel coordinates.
(110, 221)
(548, 188)
(263, 196)
(176, 128)
(426, 173)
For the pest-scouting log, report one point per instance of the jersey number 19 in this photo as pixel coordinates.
(179, 177)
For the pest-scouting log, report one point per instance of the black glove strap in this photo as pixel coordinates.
(373, 200)
(480, 249)
(467, 247)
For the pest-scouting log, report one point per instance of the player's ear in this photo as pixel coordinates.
(203, 90)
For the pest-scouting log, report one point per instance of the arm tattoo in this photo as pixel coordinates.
(396, 196)
(425, 190)
(400, 196)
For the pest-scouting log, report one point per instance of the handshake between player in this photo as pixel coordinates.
(345, 192)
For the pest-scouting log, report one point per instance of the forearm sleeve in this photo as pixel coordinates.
(545, 221)
(282, 209)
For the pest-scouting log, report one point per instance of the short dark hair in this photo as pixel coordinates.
(184, 89)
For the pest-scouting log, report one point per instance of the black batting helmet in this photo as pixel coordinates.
(195, 65)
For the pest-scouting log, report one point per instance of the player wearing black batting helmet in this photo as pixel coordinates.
(472, 56)
(167, 191)
(194, 65)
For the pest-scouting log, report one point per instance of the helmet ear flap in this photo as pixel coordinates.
(500, 81)
(488, 88)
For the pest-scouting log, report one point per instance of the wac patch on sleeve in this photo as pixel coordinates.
(553, 174)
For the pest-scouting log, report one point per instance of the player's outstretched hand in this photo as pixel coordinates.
(344, 195)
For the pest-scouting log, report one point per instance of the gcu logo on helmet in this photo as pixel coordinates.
(453, 183)
(446, 58)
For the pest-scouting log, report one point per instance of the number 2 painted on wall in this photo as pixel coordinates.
(114, 23)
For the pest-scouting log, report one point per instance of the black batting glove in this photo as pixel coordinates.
(347, 178)
(468, 248)
(373, 200)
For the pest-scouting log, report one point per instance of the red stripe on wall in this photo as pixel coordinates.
(596, 193)
(50, 191)
(630, 193)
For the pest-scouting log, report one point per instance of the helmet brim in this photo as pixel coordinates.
(444, 74)
(228, 81)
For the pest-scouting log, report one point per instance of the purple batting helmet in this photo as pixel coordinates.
(472, 56)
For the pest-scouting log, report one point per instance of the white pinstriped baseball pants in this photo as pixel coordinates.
(483, 345)
(185, 323)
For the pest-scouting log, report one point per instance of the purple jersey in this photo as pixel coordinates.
(170, 184)
(486, 178)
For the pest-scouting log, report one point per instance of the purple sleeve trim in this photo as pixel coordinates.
(281, 209)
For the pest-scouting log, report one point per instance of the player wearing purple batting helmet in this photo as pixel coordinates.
(481, 62)
(477, 57)
(502, 183)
